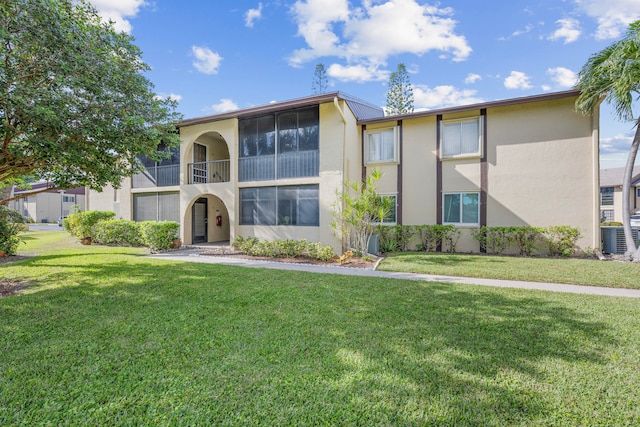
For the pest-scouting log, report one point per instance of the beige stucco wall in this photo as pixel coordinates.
(541, 168)
(110, 199)
(224, 196)
(419, 171)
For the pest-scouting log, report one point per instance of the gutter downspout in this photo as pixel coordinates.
(344, 152)
(596, 237)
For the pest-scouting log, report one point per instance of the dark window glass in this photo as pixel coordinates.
(287, 205)
(606, 196)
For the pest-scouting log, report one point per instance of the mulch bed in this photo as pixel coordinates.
(353, 262)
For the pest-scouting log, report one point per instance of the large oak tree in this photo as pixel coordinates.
(613, 74)
(75, 106)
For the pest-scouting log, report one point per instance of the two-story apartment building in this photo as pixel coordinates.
(274, 171)
(611, 193)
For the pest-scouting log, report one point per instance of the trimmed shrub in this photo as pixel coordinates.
(561, 240)
(433, 236)
(289, 248)
(320, 252)
(119, 232)
(525, 239)
(494, 239)
(159, 236)
(11, 224)
(81, 224)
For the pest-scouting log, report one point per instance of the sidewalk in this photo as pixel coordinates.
(193, 255)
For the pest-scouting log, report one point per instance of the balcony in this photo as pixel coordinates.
(157, 176)
(209, 172)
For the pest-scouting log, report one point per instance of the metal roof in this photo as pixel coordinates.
(361, 109)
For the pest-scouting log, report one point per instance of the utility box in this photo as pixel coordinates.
(613, 239)
(374, 244)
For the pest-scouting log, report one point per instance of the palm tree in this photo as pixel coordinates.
(613, 74)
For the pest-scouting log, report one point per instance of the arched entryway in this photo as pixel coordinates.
(209, 220)
(207, 160)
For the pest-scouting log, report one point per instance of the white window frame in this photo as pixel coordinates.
(368, 141)
(395, 209)
(461, 194)
(474, 154)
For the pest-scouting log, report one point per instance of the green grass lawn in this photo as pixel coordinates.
(577, 271)
(105, 336)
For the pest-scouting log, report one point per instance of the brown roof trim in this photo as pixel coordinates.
(461, 108)
(275, 106)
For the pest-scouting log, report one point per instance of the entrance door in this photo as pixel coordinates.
(199, 221)
(199, 163)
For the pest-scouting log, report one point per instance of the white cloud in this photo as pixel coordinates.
(253, 15)
(517, 80)
(206, 61)
(356, 73)
(224, 105)
(472, 78)
(366, 36)
(569, 30)
(118, 11)
(615, 150)
(563, 77)
(426, 98)
(613, 16)
(172, 96)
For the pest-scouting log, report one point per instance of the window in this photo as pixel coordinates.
(461, 208)
(283, 145)
(161, 173)
(606, 215)
(461, 137)
(606, 196)
(638, 193)
(286, 205)
(69, 199)
(156, 207)
(258, 206)
(390, 202)
(381, 146)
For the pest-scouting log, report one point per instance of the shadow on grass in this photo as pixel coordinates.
(440, 258)
(272, 347)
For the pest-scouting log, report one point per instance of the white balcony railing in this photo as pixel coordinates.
(209, 172)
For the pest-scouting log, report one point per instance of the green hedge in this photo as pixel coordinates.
(11, 224)
(159, 236)
(81, 224)
(103, 228)
(524, 240)
(288, 248)
(118, 232)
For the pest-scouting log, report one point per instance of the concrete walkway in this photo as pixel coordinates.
(193, 255)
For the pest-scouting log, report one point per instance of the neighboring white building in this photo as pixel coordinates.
(47, 206)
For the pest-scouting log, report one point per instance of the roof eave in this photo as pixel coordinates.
(267, 108)
(478, 106)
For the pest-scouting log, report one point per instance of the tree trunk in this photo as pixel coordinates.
(5, 193)
(632, 249)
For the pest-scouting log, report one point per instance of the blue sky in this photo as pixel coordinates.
(218, 55)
